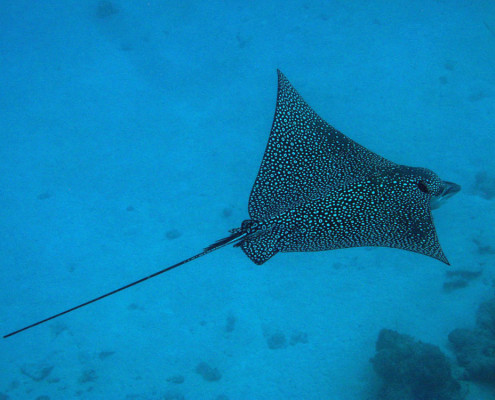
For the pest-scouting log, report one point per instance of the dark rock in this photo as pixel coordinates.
(486, 316)
(276, 341)
(413, 370)
(37, 372)
(207, 372)
(475, 351)
(475, 348)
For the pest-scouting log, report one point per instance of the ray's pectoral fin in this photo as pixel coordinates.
(412, 227)
(261, 244)
(260, 248)
(422, 238)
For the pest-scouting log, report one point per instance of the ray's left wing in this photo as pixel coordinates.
(305, 157)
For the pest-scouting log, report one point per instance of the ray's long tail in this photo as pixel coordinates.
(236, 236)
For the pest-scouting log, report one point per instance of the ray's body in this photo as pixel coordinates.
(319, 190)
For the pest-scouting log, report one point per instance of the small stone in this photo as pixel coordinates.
(230, 323)
(172, 395)
(43, 397)
(208, 372)
(455, 284)
(337, 265)
(486, 318)
(44, 196)
(105, 9)
(178, 379)
(464, 274)
(57, 328)
(88, 375)
(37, 372)
(478, 95)
(172, 234)
(227, 212)
(139, 397)
(14, 384)
(298, 337)
(277, 341)
(130, 208)
(105, 354)
(484, 185)
(126, 46)
(449, 65)
(483, 248)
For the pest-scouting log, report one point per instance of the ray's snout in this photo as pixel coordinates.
(448, 190)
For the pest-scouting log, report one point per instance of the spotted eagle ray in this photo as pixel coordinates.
(318, 190)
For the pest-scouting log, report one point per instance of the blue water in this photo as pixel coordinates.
(130, 135)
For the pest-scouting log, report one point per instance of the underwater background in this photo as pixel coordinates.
(131, 133)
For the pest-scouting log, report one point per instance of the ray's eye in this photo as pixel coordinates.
(422, 186)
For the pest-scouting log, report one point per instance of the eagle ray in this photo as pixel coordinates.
(317, 189)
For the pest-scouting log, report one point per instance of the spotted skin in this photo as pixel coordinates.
(319, 190)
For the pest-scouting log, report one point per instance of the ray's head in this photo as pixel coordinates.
(430, 184)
